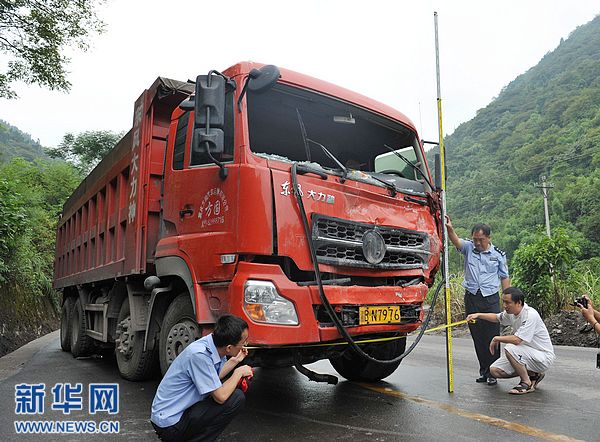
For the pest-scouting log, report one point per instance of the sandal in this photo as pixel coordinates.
(536, 379)
(522, 388)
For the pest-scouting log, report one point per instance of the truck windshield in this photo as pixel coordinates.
(288, 124)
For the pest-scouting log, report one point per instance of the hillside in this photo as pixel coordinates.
(545, 122)
(14, 143)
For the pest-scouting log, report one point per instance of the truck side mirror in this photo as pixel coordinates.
(209, 117)
(209, 114)
(208, 141)
(264, 78)
(259, 80)
(209, 102)
(438, 172)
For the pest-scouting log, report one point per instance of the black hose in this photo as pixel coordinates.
(325, 301)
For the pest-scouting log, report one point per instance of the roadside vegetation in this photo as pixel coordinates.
(32, 193)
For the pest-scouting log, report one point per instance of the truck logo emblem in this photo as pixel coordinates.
(373, 246)
(213, 208)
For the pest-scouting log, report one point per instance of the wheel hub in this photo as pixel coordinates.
(180, 336)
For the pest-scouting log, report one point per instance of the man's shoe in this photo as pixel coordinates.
(492, 381)
(481, 379)
(536, 379)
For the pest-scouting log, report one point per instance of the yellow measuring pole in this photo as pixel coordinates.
(445, 231)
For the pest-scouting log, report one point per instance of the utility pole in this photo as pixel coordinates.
(545, 186)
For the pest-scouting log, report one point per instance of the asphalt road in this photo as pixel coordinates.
(282, 405)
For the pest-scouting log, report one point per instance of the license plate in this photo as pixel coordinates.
(379, 314)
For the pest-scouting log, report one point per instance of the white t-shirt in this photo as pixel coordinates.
(528, 326)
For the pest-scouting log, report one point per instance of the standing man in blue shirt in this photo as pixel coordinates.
(192, 403)
(485, 271)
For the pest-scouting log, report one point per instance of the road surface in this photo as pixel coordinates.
(282, 405)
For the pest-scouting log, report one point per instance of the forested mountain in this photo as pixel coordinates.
(545, 122)
(14, 143)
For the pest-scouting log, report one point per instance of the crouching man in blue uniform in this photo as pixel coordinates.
(192, 403)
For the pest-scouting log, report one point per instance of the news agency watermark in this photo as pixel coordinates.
(30, 400)
(67, 427)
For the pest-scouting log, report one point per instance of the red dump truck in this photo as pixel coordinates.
(304, 208)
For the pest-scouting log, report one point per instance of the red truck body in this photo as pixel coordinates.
(155, 244)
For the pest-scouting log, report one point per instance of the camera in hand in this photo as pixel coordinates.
(583, 301)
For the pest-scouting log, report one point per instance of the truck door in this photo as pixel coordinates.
(199, 206)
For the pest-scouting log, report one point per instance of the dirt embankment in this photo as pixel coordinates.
(569, 328)
(23, 320)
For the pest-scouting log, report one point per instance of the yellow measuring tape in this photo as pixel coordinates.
(365, 341)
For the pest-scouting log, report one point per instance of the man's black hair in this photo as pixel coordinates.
(487, 230)
(516, 294)
(228, 330)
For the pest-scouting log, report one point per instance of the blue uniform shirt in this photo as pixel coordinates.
(483, 270)
(192, 376)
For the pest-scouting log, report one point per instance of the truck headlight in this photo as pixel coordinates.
(262, 303)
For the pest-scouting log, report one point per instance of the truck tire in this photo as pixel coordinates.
(356, 368)
(179, 329)
(81, 343)
(134, 363)
(65, 324)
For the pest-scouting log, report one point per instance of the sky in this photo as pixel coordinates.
(382, 49)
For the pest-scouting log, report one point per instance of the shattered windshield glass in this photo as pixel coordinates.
(292, 124)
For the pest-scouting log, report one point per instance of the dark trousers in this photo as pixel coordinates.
(482, 331)
(204, 420)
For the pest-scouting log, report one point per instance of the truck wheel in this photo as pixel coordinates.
(355, 368)
(81, 343)
(179, 329)
(134, 363)
(65, 324)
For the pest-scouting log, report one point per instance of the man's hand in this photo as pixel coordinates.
(240, 356)
(493, 345)
(452, 234)
(472, 317)
(589, 300)
(587, 312)
(245, 371)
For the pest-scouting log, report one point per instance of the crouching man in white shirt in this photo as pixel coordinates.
(529, 352)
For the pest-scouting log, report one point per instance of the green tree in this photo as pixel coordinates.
(34, 33)
(584, 278)
(13, 218)
(534, 264)
(86, 149)
(31, 198)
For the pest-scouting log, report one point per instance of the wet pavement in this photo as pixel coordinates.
(283, 405)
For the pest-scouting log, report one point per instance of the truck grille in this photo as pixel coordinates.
(340, 242)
